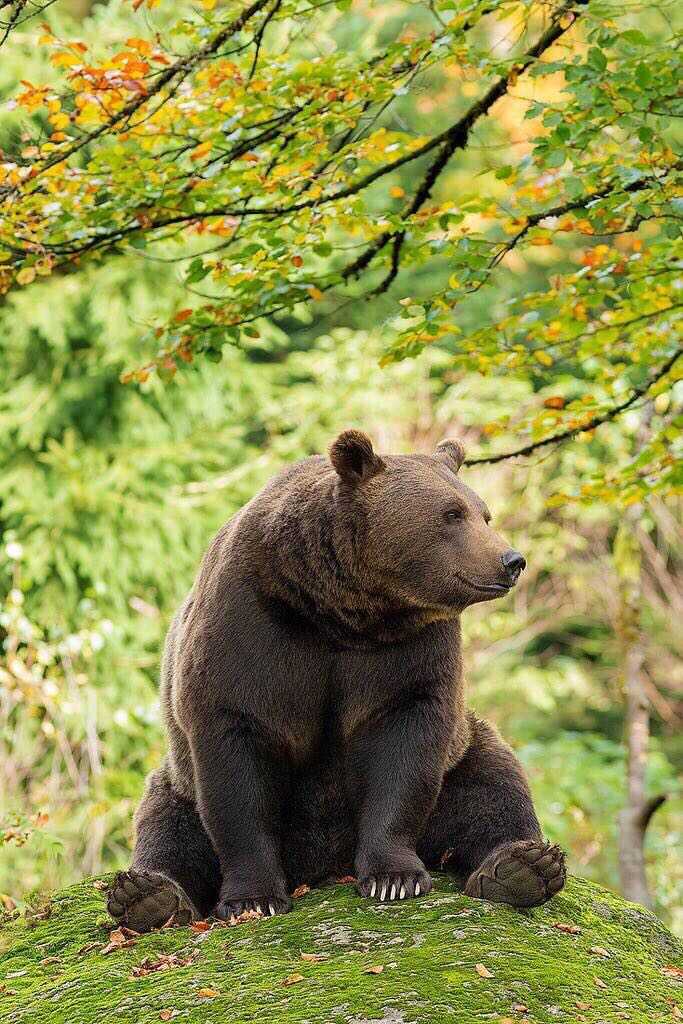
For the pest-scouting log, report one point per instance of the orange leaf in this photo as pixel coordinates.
(184, 314)
(201, 150)
(293, 979)
(300, 891)
(297, 261)
(397, 192)
(557, 402)
(569, 929)
(208, 993)
(377, 969)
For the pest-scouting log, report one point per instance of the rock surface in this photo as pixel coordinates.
(588, 956)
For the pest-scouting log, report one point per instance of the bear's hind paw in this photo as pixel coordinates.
(144, 900)
(524, 874)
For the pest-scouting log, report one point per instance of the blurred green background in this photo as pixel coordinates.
(110, 493)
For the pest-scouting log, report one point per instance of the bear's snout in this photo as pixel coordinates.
(513, 564)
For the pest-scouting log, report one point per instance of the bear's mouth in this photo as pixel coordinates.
(488, 588)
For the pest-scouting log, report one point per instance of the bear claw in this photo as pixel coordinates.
(395, 885)
(145, 900)
(523, 874)
(266, 906)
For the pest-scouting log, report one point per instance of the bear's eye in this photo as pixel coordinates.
(452, 515)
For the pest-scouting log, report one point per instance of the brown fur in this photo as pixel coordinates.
(313, 695)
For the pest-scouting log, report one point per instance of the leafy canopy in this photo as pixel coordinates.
(285, 167)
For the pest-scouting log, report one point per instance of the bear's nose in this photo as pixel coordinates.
(513, 563)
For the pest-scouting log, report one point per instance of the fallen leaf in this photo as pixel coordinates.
(582, 1006)
(165, 1014)
(570, 929)
(88, 948)
(100, 884)
(520, 1008)
(599, 983)
(482, 971)
(200, 926)
(246, 915)
(346, 880)
(314, 958)
(554, 402)
(293, 979)
(300, 891)
(120, 938)
(50, 960)
(208, 993)
(162, 963)
(599, 951)
(377, 969)
(671, 971)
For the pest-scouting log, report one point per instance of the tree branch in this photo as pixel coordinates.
(596, 421)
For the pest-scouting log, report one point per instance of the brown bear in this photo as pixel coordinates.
(313, 695)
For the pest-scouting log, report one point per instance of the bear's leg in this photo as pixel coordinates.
(242, 787)
(395, 767)
(175, 875)
(484, 828)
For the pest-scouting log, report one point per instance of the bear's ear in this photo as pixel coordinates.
(450, 452)
(353, 457)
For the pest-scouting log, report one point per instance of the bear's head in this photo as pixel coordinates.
(422, 534)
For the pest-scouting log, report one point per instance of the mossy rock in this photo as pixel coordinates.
(444, 959)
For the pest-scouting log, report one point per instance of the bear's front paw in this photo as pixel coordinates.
(230, 907)
(393, 877)
(524, 874)
(396, 885)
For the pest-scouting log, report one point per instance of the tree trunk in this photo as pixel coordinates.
(635, 817)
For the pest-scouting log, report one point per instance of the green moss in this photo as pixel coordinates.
(428, 948)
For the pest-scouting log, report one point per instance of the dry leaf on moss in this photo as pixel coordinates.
(569, 929)
(293, 979)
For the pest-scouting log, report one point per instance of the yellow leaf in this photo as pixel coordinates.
(543, 357)
(482, 971)
(26, 275)
(208, 993)
(293, 979)
(396, 191)
(64, 59)
(315, 293)
(59, 120)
